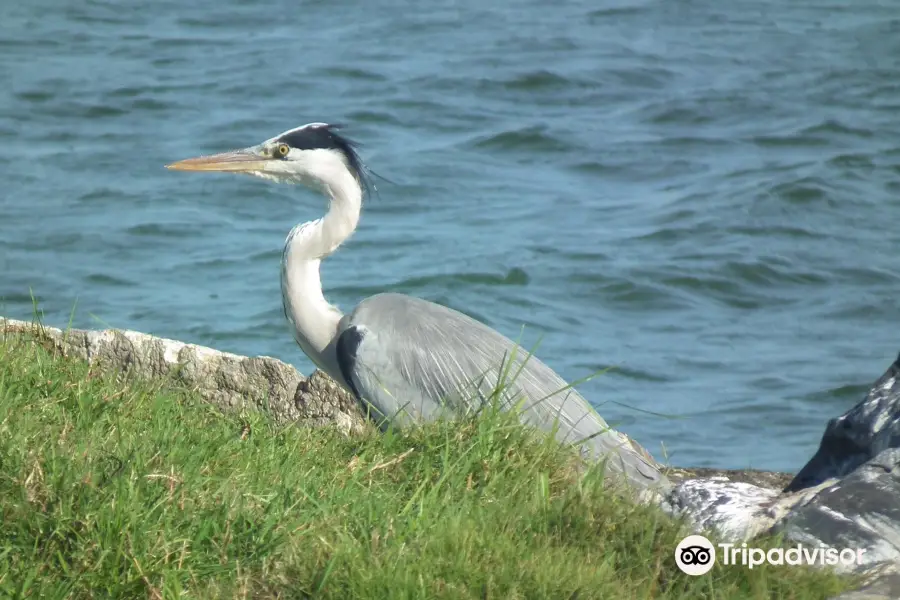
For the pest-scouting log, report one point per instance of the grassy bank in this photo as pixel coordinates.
(140, 490)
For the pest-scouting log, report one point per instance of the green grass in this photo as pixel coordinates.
(140, 490)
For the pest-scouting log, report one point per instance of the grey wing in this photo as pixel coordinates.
(410, 360)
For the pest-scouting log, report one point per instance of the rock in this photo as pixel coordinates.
(763, 479)
(847, 495)
(226, 380)
(737, 505)
(861, 510)
(734, 509)
(858, 435)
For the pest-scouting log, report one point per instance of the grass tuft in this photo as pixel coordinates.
(139, 489)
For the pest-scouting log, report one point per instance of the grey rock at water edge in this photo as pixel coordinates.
(858, 435)
(861, 511)
(847, 495)
(226, 380)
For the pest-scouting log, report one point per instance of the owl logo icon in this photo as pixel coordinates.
(695, 555)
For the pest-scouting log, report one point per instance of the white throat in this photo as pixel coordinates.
(313, 320)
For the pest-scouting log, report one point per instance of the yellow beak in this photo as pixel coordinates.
(238, 161)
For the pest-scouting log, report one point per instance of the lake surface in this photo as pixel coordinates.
(704, 195)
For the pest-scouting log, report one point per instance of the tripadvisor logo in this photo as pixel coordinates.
(696, 555)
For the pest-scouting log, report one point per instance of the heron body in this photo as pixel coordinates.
(406, 359)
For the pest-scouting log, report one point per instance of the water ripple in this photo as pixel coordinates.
(537, 81)
(530, 139)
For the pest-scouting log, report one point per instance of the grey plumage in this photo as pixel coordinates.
(415, 360)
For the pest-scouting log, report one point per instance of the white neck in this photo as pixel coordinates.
(314, 320)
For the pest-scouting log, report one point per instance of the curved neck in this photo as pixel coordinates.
(315, 321)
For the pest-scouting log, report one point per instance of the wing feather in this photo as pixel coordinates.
(416, 360)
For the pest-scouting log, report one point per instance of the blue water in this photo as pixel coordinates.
(701, 194)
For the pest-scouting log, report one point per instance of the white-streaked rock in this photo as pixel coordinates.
(861, 511)
(737, 511)
(227, 380)
(847, 495)
(859, 435)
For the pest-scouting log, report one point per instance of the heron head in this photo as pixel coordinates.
(314, 155)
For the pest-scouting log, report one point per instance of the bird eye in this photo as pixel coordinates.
(282, 150)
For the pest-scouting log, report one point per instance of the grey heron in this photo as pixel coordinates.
(404, 358)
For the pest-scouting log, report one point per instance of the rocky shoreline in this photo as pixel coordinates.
(847, 495)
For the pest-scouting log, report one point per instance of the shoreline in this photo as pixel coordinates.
(845, 496)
